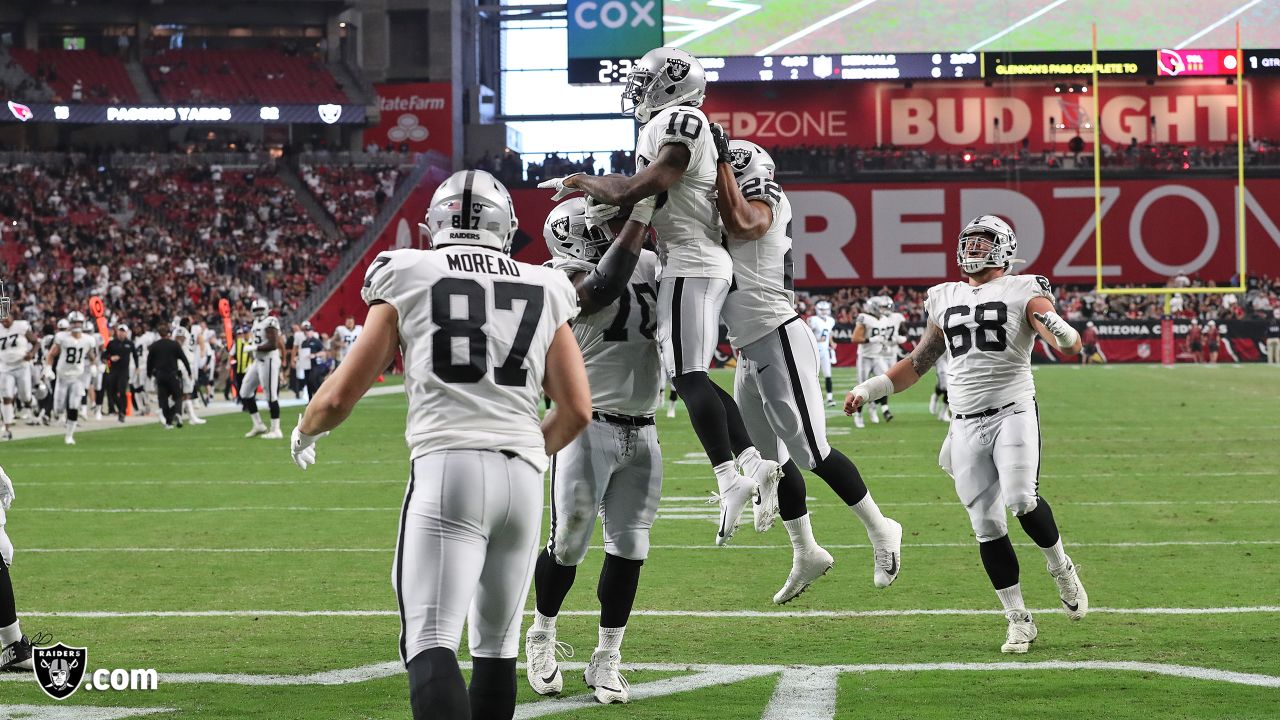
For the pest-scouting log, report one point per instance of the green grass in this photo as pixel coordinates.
(1132, 456)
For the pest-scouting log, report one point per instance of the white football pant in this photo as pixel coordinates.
(689, 322)
(15, 383)
(776, 387)
(264, 372)
(995, 462)
(68, 394)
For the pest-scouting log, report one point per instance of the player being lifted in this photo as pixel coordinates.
(676, 157)
(821, 323)
(992, 450)
(614, 468)
(17, 348)
(265, 371)
(483, 336)
(72, 353)
(879, 332)
(776, 384)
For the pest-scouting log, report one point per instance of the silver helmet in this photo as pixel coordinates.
(663, 78)
(881, 305)
(986, 242)
(471, 208)
(750, 160)
(63, 324)
(260, 308)
(823, 308)
(569, 236)
(75, 321)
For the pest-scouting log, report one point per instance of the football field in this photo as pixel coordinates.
(260, 591)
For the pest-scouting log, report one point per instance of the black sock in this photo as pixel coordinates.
(1000, 561)
(436, 688)
(1039, 524)
(619, 578)
(828, 384)
(274, 407)
(739, 440)
(251, 406)
(791, 490)
(672, 394)
(883, 402)
(842, 476)
(8, 605)
(493, 688)
(706, 413)
(551, 583)
(73, 414)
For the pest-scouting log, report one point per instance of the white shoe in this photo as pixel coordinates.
(196, 421)
(542, 669)
(887, 550)
(1075, 601)
(875, 416)
(765, 508)
(257, 430)
(272, 435)
(857, 421)
(603, 677)
(1022, 632)
(69, 440)
(805, 568)
(933, 404)
(732, 502)
(671, 411)
(831, 401)
(97, 414)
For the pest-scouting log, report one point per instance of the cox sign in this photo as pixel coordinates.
(614, 28)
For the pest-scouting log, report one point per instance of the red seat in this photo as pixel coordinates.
(101, 76)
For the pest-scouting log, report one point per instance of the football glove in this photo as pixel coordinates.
(721, 139)
(599, 214)
(303, 446)
(869, 391)
(6, 491)
(562, 191)
(1061, 329)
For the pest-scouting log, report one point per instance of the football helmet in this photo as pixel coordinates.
(471, 208)
(823, 308)
(75, 321)
(569, 236)
(986, 242)
(882, 305)
(663, 78)
(750, 160)
(63, 324)
(260, 308)
(4, 302)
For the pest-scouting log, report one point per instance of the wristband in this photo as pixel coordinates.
(877, 387)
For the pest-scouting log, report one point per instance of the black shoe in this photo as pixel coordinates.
(120, 417)
(16, 656)
(177, 424)
(888, 416)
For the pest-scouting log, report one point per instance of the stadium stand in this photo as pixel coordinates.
(102, 79)
(251, 75)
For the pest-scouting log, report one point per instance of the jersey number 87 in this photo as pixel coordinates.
(471, 328)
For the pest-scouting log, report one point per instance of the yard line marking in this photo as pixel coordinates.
(282, 508)
(76, 712)
(708, 614)
(816, 26)
(1216, 25)
(698, 27)
(807, 692)
(1016, 25)
(706, 676)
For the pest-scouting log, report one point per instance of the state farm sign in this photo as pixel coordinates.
(415, 115)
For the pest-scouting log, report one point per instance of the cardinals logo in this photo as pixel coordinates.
(329, 113)
(20, 111)
(1170, 62)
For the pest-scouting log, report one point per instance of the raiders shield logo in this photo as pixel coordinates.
(740, 159)
(329, 114)
(59, 669)
(560, 228)
(677, 69)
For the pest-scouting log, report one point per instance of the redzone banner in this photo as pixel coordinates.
(950, 116)
(415, 114)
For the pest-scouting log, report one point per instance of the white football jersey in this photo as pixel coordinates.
(14, 345)
(75, 353)
(260, 337)
(687, 221)
(618, 347)
(821, 327)
(989, 337)
(475, 327)
(762, 295)
(880, 333)
(348, 336)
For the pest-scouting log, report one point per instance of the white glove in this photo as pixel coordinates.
(1061, 329)
(558, 183)
(599, 214)
(871, 390)
(642, 212)
(6, 491)
(47, 373)
(303, 446)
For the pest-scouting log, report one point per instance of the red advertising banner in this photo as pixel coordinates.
(417, 115)
(942, 116)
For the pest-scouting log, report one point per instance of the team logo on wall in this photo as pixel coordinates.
(329, 113)
(677, 69)
(20, 111)
(59, 669)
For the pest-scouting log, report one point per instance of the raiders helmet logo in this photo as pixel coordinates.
(59, 669)
(740, 158)
(677, 69)
(329, 113)
(560, 228)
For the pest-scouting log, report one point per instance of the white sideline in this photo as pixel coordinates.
(804, 692)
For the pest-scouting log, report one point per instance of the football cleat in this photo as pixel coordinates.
(732, 502)
(257, 430)
(197, 421)
(603, 677)
(857, 421)
(272, 435)
(69, 440)
(887, 550)
(16, 656)
(1022, 632)
(765, 508)
(875, 417)
(8, 434)
(542, 667)
(1070, 591)
(806, 567)
(888, 414)
(97, 414)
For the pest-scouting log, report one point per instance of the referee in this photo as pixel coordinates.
(119, 354)
(162, 364)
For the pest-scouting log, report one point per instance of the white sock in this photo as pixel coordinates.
(191, 410)
(6, 414)
(275, 424)
(869, 513)
(749, 461)
(1011, 597)
(542, 623)
(800, 531)
(1055, 556)
(257, 421)
(71, 427)
(726, 475)
(10, 634)
(611, 639)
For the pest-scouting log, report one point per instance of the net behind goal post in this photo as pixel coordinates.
(1168, 351)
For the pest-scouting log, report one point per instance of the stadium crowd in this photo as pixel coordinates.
(352, 196)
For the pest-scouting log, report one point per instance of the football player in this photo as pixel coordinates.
(614, 468)
(191, 337)
(879, 332)
(17, 348)
(992, 451)
(72, 353)
(776, 382)
(139, 382)
(345, 336)
(483, 336)
(821, 324)
(268, 343)
(676, 157)
(15, 648)
(939, 404)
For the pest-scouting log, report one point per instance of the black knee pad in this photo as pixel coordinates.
(493, 688)
(1000, 562)
(251, 406)
(436, 688)
(73, 414)
(274, 407)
